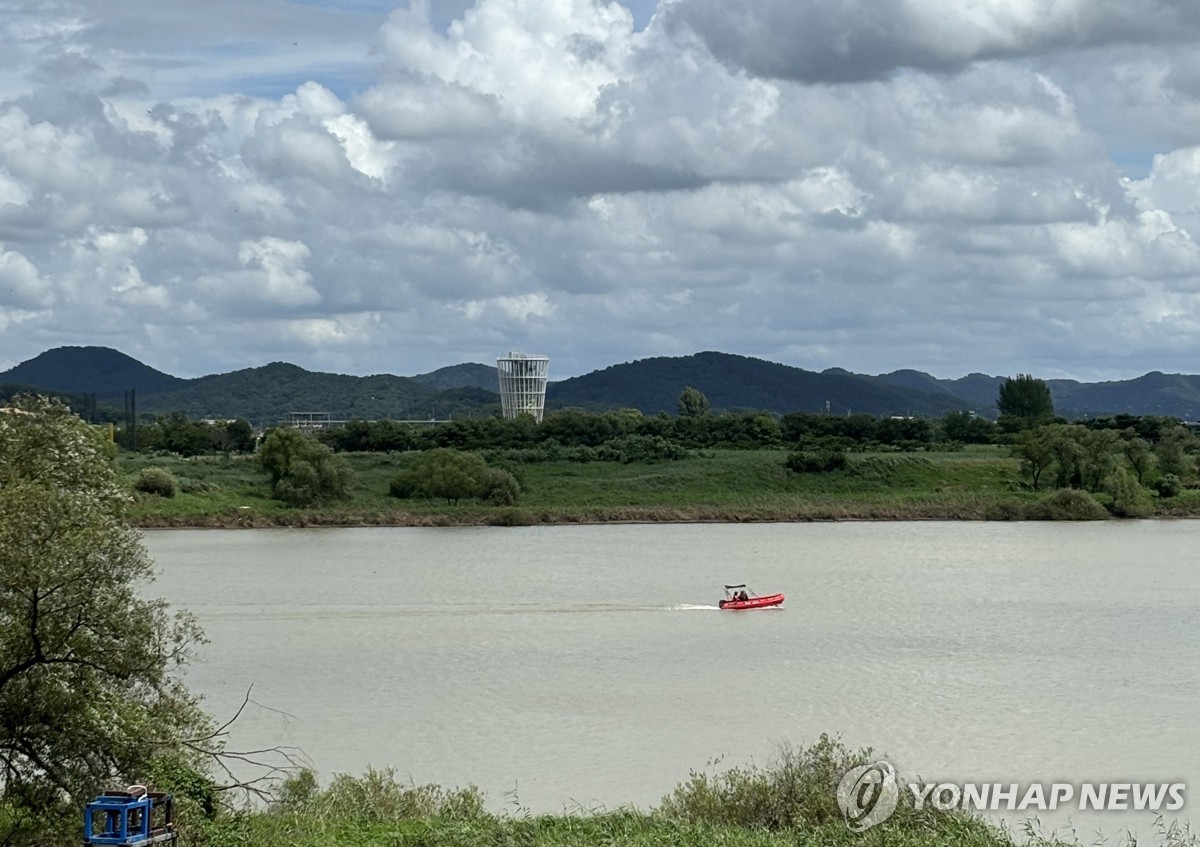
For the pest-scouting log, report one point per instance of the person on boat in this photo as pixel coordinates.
(741, 595)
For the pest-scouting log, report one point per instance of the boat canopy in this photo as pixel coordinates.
(727, 587)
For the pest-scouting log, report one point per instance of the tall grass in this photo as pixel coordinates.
(792, 801)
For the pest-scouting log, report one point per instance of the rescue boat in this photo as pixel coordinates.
(738, 597)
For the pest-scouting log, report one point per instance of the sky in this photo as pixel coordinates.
(360, 186)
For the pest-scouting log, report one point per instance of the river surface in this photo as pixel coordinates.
(588, 666)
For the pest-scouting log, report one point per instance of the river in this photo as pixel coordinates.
(588, 666)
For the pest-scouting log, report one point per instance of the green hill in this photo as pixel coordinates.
(466, 375)
(99, 370)
(265, 395)
(1155, 393)
(739, 382)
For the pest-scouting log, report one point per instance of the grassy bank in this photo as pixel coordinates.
(729, 485)
(718, 485)
(791, 801)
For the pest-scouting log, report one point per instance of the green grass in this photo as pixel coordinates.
(710, 485)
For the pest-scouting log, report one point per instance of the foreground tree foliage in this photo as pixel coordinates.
(88, 689)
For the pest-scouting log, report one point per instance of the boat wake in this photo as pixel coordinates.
(447, 609)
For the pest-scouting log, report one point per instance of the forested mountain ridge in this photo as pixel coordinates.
(265, 395)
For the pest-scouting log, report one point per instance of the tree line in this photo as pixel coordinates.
(573, 428)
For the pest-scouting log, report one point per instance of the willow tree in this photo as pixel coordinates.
(692, 403)
(89, 691)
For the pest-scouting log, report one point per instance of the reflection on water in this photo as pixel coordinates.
(550, 662)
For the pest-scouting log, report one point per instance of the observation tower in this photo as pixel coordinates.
(523, 384)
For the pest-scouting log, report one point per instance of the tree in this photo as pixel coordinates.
(1099, 457)
(239, 436)
(303, 471)
(1171, 451)
(1025, 399)
(1035, 449)
(88, 688)
(692, 404)
(1141, 460)
(967, 428)
(1067, 447)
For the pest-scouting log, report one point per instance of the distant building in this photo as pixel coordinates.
(523, 384)
(308, 421)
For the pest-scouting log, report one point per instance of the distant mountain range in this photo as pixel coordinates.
(267, 394)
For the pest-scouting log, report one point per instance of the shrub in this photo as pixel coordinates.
(158, 481)
(640, 448)
(1129, 500)
(816, 461)
(377, 796)
(1067, 504)
(194, 486)
(1169, 485)
(193, 789)
(1005, 510)
(510, 517)
(547, 451)
(798, 790)
(499, 487)
(447, 474)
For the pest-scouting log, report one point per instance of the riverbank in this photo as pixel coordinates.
(729, 486)
(516, 516)
(793, 800)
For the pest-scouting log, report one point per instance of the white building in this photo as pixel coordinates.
(523, 384)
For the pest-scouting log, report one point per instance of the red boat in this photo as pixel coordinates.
(737, 598)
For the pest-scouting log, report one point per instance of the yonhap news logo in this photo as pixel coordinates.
(869, 794)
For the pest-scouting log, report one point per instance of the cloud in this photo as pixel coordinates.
(996, 186)
(272, 273)
(21, 286)
(848, 41)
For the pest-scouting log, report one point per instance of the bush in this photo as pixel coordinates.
(499, 487)
(640, 448)
(194, 486)
(1169, 485)
(510, 517)
(816, 461)
(158, 481)
(547, 451)
(1067, 504)
(377, 796)
(446, 474)
(797, 791)
(1005, 510)
(1129, 500)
